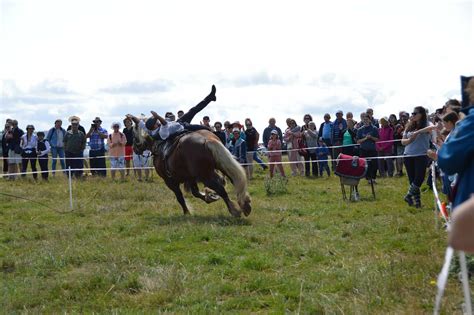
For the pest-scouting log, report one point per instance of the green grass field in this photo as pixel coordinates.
(128, 248)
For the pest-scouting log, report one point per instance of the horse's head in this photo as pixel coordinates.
(141, 140)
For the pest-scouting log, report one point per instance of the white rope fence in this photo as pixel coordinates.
(277, 151)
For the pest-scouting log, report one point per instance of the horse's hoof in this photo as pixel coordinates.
(211, 197)
(247, 209)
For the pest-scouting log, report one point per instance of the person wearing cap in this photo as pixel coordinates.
(74, 145)
(28, 144)
(116, 141)
(456, 156)
(206, 122)
(55, 138)
(42, 150)
(267, 131)
(238, 147)
(97, 134)
(274, 153)
(13, 139)
(385, 148)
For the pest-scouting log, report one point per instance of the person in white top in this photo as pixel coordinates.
(28, 144)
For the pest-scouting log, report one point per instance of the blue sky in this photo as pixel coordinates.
(267, 58)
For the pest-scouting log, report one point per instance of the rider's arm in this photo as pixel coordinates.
(161, 119)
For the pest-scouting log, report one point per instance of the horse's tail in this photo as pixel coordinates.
(231, 168)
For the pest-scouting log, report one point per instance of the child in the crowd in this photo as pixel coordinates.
(449, 123)
(142, 161)
(323, 154)
(43, 148)
(274, 153)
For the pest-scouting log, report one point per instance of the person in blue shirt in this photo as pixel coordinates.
(325, 130)
(457, 153)
(367, 135)
(322, 153)
(55, 138)
(238, 147)
(97, 135)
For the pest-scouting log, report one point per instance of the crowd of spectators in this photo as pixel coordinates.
(389, 144)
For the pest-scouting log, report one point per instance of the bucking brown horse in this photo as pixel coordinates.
(195, 157)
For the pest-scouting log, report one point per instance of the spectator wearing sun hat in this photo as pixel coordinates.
(76, 118)
(274, 153)
(97, 134)
(28, 144)
(116, 141)
(74, 145)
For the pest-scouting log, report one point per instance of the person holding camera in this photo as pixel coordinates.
(4, 145)
(28, 145)
(97, 134)
(13, 138)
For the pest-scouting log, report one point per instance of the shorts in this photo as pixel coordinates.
(13, 158)
(400, 150)
(128, 152)
(142, 160)
(117, 162)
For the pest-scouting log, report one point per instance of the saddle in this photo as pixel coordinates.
(162, 149)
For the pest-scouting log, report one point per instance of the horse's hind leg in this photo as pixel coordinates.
(215, 185)
(179, 195)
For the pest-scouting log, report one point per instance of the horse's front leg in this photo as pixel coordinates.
(179, 195)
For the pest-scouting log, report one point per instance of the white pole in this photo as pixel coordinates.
(433, 178)
(465, 283)
(70, 188)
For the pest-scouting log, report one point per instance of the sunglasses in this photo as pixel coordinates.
(414, 114)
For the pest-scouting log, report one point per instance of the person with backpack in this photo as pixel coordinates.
(117, 141)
